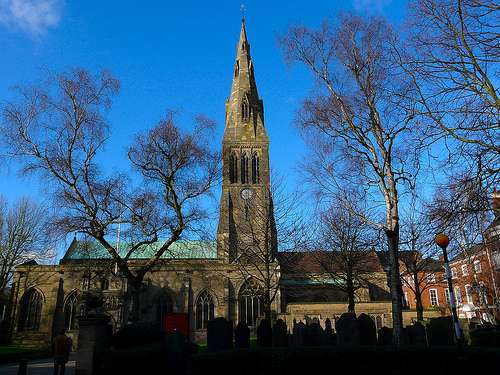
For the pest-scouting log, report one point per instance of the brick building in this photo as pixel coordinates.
(475, 275)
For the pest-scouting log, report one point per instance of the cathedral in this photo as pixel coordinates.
(202, 279)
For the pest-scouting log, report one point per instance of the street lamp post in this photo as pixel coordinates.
(442, 241)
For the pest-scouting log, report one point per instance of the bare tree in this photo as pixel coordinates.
(59, 129)
(463, 210)
(418, 255)
(346, 255)
(357, 128)
(461, 207)
(454, 69)
(23, 237)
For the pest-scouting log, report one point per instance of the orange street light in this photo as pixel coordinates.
(443, 241)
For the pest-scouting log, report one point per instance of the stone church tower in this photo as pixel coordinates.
(246, 222)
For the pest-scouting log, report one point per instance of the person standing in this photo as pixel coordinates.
(62, 348)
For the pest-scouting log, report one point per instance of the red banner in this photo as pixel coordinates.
(177, 322)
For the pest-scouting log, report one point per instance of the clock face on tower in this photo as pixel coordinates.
(246, 193)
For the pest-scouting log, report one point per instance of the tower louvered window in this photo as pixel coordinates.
(244, 168)
(255, 169)
(233, 168)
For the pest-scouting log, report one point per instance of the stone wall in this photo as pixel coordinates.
(380, 311)
(182, 281)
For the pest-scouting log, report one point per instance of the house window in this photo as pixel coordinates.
(406, 303)
(483, 295)
(468, 293)
(465, 272)
(204, 310)
(250, 303)
(31, 311)
(431, 278)
(71, 312)
(447, 296)
(453, 273)
(458, 295)
(434, 297)
(477, 266)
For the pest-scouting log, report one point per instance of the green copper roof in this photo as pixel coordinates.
(82, 250)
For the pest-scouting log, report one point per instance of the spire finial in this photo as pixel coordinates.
(243, 8)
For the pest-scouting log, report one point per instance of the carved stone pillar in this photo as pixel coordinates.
(93, 337)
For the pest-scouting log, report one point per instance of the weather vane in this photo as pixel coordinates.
(243, 8)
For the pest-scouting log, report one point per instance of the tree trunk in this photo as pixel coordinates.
(350, 296)
(351, 306)
(267, 306)
(418, 298)
(395, 284)
(135, 296)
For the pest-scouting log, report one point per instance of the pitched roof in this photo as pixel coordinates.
(422, 263)
(303, 262)
(90, 250)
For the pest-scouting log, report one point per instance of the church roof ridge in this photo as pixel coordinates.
(183, 249)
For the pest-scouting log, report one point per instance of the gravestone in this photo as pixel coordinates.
(219, 334)
(264, 334)
(416, 334)
(242, 335)
(367, 330)
(385, 336)
(348, 330)
(299, 332)
(440, 331)
(330, 337)
(280, 335)
(314, 334)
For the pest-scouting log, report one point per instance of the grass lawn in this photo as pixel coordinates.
(14, 350)
(10, 354)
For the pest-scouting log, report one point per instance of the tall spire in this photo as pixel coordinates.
(244, 94)
(245, 158)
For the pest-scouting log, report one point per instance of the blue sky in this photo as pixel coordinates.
(168, 55)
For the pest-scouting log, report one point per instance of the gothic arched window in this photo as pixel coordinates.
(255, 169)
(164, 306)
(233, 168)
(245, 110)
(250, 303)
(204, 310)
(30, 311)
(244, 168)
(71, 312)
